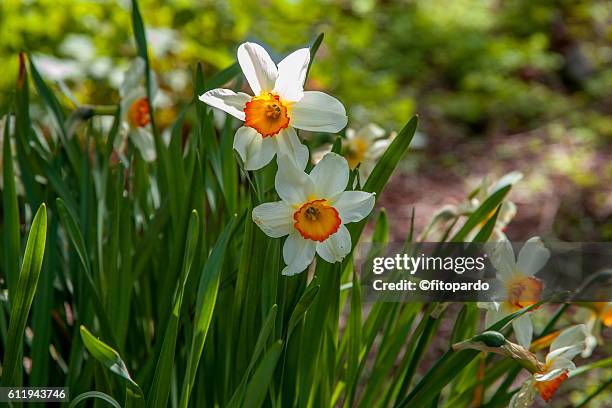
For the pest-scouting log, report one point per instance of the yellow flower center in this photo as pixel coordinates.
(316, 220)
(356, 152)
(267, 114)
(138, 114)
(523, 291)
(548, 388)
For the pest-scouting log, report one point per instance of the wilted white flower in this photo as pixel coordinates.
(557, 368)
(312, 212)
(280, 106)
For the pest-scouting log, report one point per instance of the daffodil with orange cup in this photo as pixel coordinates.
(521, 287)
(135, 113)
(279, 106)
(313, 211)
(556, 369)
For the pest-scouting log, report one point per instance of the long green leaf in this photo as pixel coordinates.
(160, 388)
(205, 305)
(24, 294)
(258, 386)
(110, 359)
(12, 240)
(69, 222)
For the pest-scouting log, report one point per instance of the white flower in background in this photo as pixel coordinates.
(521, 288)
(443, 218)
(312, 212)
(600, 315)
(364, 146)
(557, 368)
(280, 106)
(135, 115)
(506, 212)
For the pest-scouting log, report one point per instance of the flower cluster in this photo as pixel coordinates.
(315, 207)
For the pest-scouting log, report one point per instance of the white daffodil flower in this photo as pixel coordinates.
(361, 147)
(313, 211)
(366, 146)
(506, 212)
(445, 215)
(280, 106)
(135, 115)
(521, 287)
(557, 368)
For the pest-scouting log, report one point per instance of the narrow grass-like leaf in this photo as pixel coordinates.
(163, 373)
(258, 386)
(482, 213)
(110, 359)
(390, 159)
(264, 334)
(74, 232)
(205, 305)
(24, 294)
(10, 209)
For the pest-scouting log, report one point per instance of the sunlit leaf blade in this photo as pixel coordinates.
(110, 359)
(24, 294)
(391, 158)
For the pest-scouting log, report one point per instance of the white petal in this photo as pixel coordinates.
(298, 253)
(523, 330)
(227, 100)
(133, 76)
(354, 206)
(292, 184)
(330, 175)
(501, 256)
(507, 180)
(554, 372)
(336, 246)
(254, 150)
(569, 343)
(571, 336)
(144, 142)
(257, 66)
(274, 219)
(289, 144)
(378, 148)
(525, 396)
(532, 257)
(318, 112)
(291, 75)
(371, 132)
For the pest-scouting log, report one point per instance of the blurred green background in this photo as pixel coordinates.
(498, 85)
